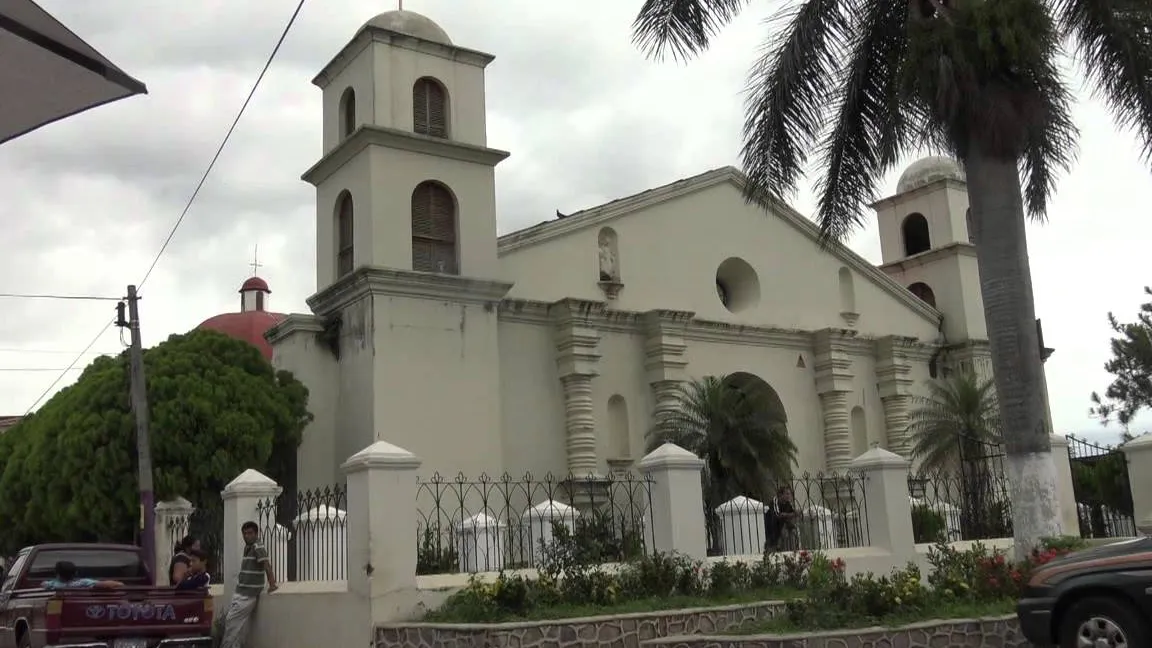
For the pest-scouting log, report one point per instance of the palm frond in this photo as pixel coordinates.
(869, 133)
(957, 412)
(683, 28)
(788, 93)
(1049, 142)
(1114, 46)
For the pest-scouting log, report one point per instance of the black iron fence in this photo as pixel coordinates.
(491, 524)
(810, 512)
(1103, 490)
(207, 526)
(306, 533)
(972, 503)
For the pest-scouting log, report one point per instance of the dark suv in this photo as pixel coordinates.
(1096, 598)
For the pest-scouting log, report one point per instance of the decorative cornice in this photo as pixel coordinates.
(528, 311)
(956, 248)
(834, 359)
(896, 199)
(369, 34)
(893, 365)
(664, 344)
(374, 280)
(293, 324)
(576, 337)
(370, 135)
(602, 214)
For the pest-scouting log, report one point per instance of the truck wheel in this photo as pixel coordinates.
(1102, 622)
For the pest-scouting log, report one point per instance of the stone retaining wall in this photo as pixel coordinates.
(623, 631)
(1001, 632)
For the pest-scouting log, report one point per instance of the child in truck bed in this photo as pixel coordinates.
(195, 577)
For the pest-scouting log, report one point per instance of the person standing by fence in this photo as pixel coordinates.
(255, 571)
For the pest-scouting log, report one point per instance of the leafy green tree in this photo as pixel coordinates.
(1131, 364)
(739, 430)
(956, 419)
(865, 82)
(218, 407)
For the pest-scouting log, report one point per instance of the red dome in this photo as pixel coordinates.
(255, 283)
(249, 326)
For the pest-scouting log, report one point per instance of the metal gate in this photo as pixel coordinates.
(1103, 492)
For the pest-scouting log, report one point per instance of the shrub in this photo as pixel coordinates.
(433, 555)
(928, 525)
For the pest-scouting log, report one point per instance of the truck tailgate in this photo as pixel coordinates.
(131, 613)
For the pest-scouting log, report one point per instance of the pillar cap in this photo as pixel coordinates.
(878, 458)
(1139, 444)
(670, 455)
(251, 482)
(175, 505)
(381, 455)
(1059, 441)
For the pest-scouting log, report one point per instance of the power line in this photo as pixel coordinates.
(53, 351)
(50, 296)
(18, 369)
(191, 199)
(224, 143)
(65, 372)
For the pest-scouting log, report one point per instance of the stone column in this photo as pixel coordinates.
(243, 497)
(171, 526)
(577, 354)
(893, 375)
(886, 504)
(1065, 490)
(382, 530)
(676, 516)
(834, 383)
(1139, 454)
(664, 360)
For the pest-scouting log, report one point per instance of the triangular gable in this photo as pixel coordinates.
(600, 215)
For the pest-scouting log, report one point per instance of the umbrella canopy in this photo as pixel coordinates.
(48, 73)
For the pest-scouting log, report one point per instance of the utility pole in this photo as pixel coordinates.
(139, 397)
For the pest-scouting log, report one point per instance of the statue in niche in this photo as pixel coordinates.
(609, 268)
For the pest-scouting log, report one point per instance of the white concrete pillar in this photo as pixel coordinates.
(243, 499)
(1065, 491)
(171, 526)
(886, 502)
(382, 533)
(1138, 451)
(742, 531)
(677, 515)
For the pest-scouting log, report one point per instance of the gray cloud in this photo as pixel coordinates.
(88, 201)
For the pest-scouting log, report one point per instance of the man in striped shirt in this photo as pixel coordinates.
(255, 571)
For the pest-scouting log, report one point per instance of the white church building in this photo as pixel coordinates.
(550, 349)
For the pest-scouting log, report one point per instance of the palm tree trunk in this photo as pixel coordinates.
(1010, 314)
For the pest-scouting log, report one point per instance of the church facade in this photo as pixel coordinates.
(552, 348)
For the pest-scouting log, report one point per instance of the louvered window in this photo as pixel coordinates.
(344, 236)
(434, 229)
(430, 108)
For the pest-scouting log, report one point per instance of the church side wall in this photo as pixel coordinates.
(299, 352)
(532, 400)
(623, 400)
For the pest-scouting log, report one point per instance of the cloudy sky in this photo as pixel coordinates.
(88, 201)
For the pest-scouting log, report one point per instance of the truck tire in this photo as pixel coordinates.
(1103, 617)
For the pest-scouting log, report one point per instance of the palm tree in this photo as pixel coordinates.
(740, 433)
(864, 82)
(955, 420)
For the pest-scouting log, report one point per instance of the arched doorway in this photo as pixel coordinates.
(763, 397)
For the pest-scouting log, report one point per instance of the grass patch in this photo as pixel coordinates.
(634, 606)
(937, 609)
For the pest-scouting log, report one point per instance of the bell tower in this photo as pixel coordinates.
(926, 245)
(406, 291)
(407, 180)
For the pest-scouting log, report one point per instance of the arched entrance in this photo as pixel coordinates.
(762, 397)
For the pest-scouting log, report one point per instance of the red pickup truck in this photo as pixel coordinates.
(138, 615)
